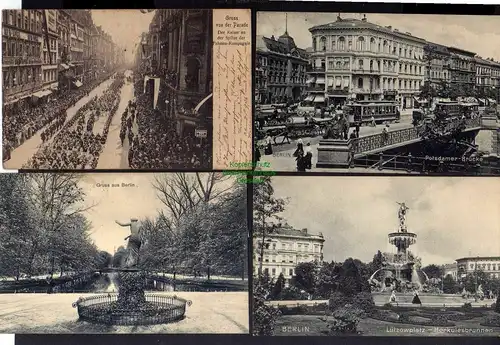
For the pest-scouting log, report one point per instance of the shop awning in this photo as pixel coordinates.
(319, 99)
(309, 98)
(54, 87)
(482, 100)
(338, 82)
(346, 83)
(42, 93)
(311, 80)
(320, 80)
(492, 100)
(77, 83)
(330, 82)
(63, 65)
(71, 65)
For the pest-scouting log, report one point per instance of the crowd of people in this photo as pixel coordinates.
(79, 143)
(20, 123)
(154, 143)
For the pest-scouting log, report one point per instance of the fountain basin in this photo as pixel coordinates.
(155, 309)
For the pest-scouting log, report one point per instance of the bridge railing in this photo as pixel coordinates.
(375, 141)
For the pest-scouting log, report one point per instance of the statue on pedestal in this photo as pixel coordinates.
(133, 245)
(403, 209)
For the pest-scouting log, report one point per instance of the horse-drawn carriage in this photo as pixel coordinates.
(299, 128)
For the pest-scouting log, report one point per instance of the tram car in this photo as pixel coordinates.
(362, 112)
(447, 110)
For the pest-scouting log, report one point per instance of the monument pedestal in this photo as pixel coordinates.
(131, 286)
(334, 153)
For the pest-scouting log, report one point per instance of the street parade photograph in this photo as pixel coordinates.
(377, 93)
(403, 257)
(123, 253)
(107, 89)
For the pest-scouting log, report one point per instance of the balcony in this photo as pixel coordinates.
(367, 90)
(321, 69)
(315, 89)
(339, 92)
(21, 60)
(371, 71)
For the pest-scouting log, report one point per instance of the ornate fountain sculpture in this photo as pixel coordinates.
(132, 305)
(400, 270)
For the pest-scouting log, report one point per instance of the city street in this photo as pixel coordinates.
(282, 158)
(21, 155)
(114, 155)
(211, 312)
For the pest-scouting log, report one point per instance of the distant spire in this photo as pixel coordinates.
(286, 23)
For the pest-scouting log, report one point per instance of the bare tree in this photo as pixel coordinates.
(182, 192)
(56, 198)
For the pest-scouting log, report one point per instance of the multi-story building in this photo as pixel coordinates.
(181, 55)
(437, 63)
(487, 78)
(354, 58)
(50, 53)
(462, 70)
(281, 70)
(22, 37)
(65, 73)
(284, 249)
(488, 264)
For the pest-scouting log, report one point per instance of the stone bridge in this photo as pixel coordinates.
(335, 153)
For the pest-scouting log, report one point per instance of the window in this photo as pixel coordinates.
(273, 271)
(290, 272)
(360, 44)
(360, 83)
(274, 246)
(372, 44)
(266, 270)
(360, 64)
(341, 43)
(322, 43)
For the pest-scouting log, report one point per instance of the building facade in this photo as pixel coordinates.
(285, 249)
(488, 78)
(462, 68)
(281, 70)
(178, 50)
(353, 58)
(437, 64)
(22, 52)
(50, 48)
(488, 264)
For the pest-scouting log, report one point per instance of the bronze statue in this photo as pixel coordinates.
(133, 245)
(403, 209)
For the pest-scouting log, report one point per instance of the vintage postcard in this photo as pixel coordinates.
(126, 89)
(123, 253)
(377, 93)
(385, 256)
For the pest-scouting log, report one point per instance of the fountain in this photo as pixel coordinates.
(131, 306)
(400, 271)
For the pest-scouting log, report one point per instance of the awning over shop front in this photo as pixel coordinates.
(42, 93)
(63, 65)
(77, 83)
(492, 100)
(311, 80)
(346, 83)
(71, 65)
(319, 99)
(330, 82)
(320, 80)
(482, 100)
(338, 83)
(309, 98)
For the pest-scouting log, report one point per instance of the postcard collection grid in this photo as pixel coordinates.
(218, 171)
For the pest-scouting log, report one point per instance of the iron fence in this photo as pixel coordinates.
(106, 309)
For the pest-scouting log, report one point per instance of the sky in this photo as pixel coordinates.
(117, 203)
(124, 26)
(453, 217)
(121, 204)
(472, 33)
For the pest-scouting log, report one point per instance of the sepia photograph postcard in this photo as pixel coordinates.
(126, 89)
(123, 253)
(376, 256)
(377, 93)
